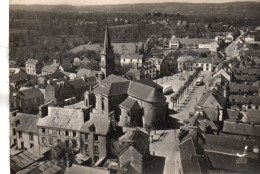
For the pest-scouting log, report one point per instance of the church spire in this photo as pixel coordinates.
(107, 42)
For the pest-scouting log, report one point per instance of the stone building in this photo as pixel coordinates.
(33, 67)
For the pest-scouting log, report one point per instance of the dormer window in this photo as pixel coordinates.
(92, 128)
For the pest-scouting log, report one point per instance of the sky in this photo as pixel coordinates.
(102, 2)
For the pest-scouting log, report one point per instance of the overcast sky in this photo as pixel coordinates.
(101, 2)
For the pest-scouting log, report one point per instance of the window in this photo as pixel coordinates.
(58, 140)
(207, 64)
(43, 130)
(20, 134)
(74, 134)
(96, 149)
(14, 132)
(31, 136)
(249, 106)
(103, 104)
(50, 141)
(58, 132)
(22, 145)
(86, 147)
(66, 133)
(43, 140)
(86, 137)
(95, 138)
(31, 145)
(96, 158)
(256, 107)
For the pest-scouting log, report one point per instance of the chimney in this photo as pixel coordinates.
(100, 78)
(225, 90)
(256, 150)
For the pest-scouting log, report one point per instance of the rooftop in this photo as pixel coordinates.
(31, 61)
(31, 93)
(27, 122)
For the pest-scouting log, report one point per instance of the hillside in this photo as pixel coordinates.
(236, 9)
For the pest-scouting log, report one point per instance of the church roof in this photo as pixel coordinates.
(107, 41)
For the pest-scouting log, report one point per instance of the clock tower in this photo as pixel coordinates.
(107, 64)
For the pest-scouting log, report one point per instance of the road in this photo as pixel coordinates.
(230, 50)
(165, 144)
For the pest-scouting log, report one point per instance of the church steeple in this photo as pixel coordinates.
(107, 64)
(107, 41)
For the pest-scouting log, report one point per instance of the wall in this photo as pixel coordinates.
(25, 139)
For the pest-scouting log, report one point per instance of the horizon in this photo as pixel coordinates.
(118, 2)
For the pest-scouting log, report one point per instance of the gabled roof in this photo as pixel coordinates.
(62, 118)
(212, 99)
(113, 89)
(187, 149)
(211, 113)
(236, 87)
(138, 139)
(145, 92)
(18, 77)
(150, 83)
(101, 123)
(87, 72)
(50, 68)
(196, 41)
(30, 93)
(27, 122)
(112, 79)
(241, 99)
(241, 129)
(130, 104)
(252, 116)
(32, 61)
(78, 83)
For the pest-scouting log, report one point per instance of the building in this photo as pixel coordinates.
(195, 43)
(62, 124)
(27, 100)
(132, 60)
(134, 152)
(107, 64)
(95, 137)
(191, 63)
(174, 43)
(18, 79)
(23, 131)
(149, 70)
(134, 74)
(49, 69)
(113, 90)
(250, 38)
(244, 102)
(33, 67)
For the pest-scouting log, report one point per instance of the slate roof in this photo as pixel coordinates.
(62, 118)
(18, 77)
(145, 92)
(30, 93)
(101, 123)
(134, 71)
(45, 167)
(31, 61)
(187, 149)
(28, 122)
(241, 129)
(252, 116)
(91, 79)
(130, 104)
(78, 83)
(236, 87)
(241, 99)
(211, 113)
(138, 139)
(212, 99)
(150, 83)
(113, 89)
(79, 169)
(50, 68)
(112, 79)
(131, 56)
(28, 157)
(232, 115)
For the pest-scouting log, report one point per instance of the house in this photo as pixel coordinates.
(134, 74)
(23, 130)
(242, 89)
(27, 158)
(245, 102)
(250, 38)
(174, 43)
(150, 70)
(58, 91)
(49, 69)
(17, 79)
(147, 94)
(29, 100)
(33, 67)
(195, 43)
(164, 66)
(62, 124)
(95, 137)
(252, 116)
(42, 167)
(134, 60)
(83, 73)
(134, 152)
(191, 63)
